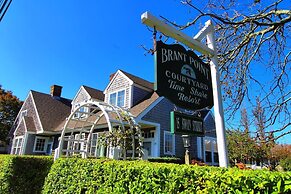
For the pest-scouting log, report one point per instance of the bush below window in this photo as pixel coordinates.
(73, 175)
(23, 174)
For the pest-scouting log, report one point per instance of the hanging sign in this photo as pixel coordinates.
(186, 124)
(182, 77)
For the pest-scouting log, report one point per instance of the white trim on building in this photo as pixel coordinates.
(17, 145)
(41, 145)
(169, 143)
(210, 151)
(155, 142)
(36, 111)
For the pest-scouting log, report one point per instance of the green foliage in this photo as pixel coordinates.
(6, 169)
(73, 175)
(286, 163)
(241, 146)
(23, 174)
(167, 160)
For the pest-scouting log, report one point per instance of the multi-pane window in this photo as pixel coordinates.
(208, 151)
(120, 98)
(112, 99)
(17, 145)
(117, 98)
(81, 113)
(39, 145)
(211, 152)
(215, 152)
(169, 143)
(148, 134)
(78, 143)
(94, 144)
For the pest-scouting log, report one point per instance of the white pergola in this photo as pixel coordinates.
(87, 117)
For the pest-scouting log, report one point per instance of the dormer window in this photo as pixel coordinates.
(117, 98)
(81, 113)
(112, 99)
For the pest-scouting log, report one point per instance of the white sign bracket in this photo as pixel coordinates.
(209, 50)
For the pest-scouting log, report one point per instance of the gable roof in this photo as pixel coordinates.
(94, 93)
(139, 81)
(30, 126)
(52, 111)
(144, 104)
(209, 122)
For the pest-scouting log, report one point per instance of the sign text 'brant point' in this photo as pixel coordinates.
(182, 77)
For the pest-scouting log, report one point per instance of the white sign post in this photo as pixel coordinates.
(209, 50)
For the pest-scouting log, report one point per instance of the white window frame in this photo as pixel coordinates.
(199, 147)
(45, 144)
(79, 115)
(173, 143)
(151, 140)
(212, 144)
(150, 132)
(78, 143)
(94, 146)
(116, 98)
(109, 100)
(20, 147)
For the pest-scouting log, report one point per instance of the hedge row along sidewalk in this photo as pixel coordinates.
(23, 174)
(73, 175)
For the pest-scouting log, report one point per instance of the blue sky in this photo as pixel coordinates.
(73, 43)
(70, 43)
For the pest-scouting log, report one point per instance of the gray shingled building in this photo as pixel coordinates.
(39, 124)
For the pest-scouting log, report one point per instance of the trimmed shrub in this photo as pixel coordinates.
(23, 174)
(72, 175)
(286, 163)
(167, 160)
(6, 169)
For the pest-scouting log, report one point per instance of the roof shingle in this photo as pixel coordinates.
(139, 80)
(94, 93)
(140, 107)
(52, 111)
(30, 126)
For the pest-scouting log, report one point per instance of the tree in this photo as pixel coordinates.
(9, 108)
(280, 152)
(264, 142)
(253, 42)
(260, 120)
(241, 147)
(245, 121)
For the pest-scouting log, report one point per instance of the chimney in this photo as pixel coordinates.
(56, 91)
(111, 76)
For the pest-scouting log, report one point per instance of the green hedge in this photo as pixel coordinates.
(167, 160)
(73, 175)
(23, 174)
(286, 163)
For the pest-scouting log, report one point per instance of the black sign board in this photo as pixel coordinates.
(186, 124)
(182, 77)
